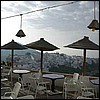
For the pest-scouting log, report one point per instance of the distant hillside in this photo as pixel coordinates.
(6, 53)
(54, 62)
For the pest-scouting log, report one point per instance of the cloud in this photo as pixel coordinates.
(65, 18)
(67, 23)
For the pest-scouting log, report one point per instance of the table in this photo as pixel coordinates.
(53, 77)
(95, 81)
(20, 72)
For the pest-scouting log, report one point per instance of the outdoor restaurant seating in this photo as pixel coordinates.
(70, 87)
(13, 93)
(25, 81)
(86, 89)
(4, 81)
(40, 84)
(6, 74)
(35, 86)
(71, 90)
(31, 84)
(78, 87)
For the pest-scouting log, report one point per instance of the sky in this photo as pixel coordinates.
(59, 26)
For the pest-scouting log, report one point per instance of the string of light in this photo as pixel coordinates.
(42, 9)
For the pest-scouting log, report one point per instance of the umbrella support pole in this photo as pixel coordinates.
(84, 63)
(41, 60)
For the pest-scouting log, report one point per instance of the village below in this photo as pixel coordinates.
(52, 62)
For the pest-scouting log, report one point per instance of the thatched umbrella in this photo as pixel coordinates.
(13, 46)
(41, 45)
(84, 44)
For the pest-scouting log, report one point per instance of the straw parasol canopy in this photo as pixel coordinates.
(84, 44)
(13, 46)
(41, 45)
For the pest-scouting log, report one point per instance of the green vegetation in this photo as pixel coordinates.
(64, 69)
(91, 69)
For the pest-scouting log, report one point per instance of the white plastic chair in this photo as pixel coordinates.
(41, 86)
(32, 79)
(86, 90)
(6, 77)
(25, 81)
(32, 85)
(75, 77)
(68, 82)
(14, 92)
(71, 90)
(5, 74)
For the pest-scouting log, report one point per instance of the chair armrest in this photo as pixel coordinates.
(88, 89)
(4, 79)
(8, 93)
(4, 74)
(6, 88)
(26, 97)
(44, 82)
(32, 78)
(70, 83)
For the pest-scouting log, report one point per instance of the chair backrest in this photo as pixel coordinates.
(86, 80)
(67, 79)
(75, 77)
(16, 89)
(71, 86)
(87, 88)
(26, 80)
(38, 76)
(7, 72)
(34, 79)
(71, 83)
